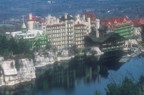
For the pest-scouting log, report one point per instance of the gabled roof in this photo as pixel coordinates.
(41, 21)
(69, 17)
(33, 18)
(138, 21)
(117, 21)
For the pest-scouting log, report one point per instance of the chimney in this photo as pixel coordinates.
(78, 16)
(97, 23)
(97, 27)
(23, 25)
(30, 23)
(49, 16)
(65, 15)
(30, 16)
(84, 17)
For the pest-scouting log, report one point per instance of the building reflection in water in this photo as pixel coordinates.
(20, 89)
(87, 69)
(67, 74)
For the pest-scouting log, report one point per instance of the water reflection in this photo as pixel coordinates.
(80, 70)
(82, 75)
(20, 89)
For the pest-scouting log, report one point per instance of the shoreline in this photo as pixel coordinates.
(45, 67)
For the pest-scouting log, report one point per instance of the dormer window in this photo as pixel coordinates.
(115, 22)
(124, 21)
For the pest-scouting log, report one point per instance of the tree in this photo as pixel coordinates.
(142, 33)
(141, 84)
(113, 89)
(9, 46)
(97, 92)
(48, 46)
(13, 46)
(74, 49)
(128, 87)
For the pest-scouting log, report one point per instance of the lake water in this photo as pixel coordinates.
(83, 79)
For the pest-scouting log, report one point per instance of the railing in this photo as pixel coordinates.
(112, 48)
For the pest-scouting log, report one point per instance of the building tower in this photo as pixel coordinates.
(23, 28)
(30, 22)
(89, 25)
(97, 27)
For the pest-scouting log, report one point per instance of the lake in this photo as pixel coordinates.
(86, 79)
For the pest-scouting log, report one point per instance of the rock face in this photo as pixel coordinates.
(13, 72)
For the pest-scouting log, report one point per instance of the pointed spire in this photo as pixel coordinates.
(24, 28)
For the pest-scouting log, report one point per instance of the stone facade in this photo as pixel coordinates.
(66, 31)
(61, 32)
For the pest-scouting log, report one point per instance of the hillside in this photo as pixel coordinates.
(103, 8)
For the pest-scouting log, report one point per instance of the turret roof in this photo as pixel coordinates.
(138, 21)
(69, 17)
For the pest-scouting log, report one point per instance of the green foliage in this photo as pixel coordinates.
(97, 92)
(142, 33)
(48, 46)
(74, 49)
(113, 89)
(9, 46)
(9, 28)
(128, 87)
(141, 80)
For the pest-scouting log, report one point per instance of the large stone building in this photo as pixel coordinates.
(64, 32)
(121, 25)
(124, 27)
(120, 33)
(32, 32)
(68, 31)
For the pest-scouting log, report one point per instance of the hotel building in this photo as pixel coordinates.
(67, 31)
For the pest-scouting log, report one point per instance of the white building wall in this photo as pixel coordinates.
(30, 22)
(63, 36)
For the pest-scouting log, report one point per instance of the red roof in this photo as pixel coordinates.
(117, 21)
(55, 25)
(90, 15)
(138, 22)
(41, 21)
(79, 25)
(33, 18)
